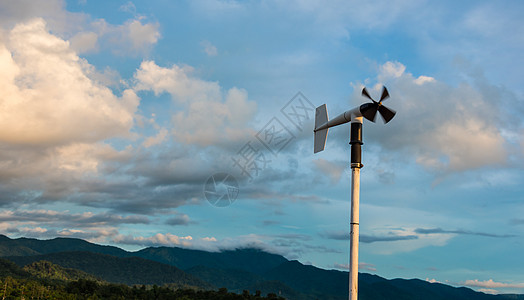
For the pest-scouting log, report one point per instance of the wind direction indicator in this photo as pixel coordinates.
(355, 116)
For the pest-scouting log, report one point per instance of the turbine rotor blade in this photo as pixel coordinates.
(369, 111)
(385, 94)
(366, 94)
(386, 113)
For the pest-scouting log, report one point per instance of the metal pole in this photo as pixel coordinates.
(356, 157)
(354, 233)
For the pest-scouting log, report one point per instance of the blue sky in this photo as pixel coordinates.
(113, 116)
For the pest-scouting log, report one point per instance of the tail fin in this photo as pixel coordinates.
(321, 118)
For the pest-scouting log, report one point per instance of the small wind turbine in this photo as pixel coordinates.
(355, 116)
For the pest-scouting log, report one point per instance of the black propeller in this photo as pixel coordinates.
(369, 110)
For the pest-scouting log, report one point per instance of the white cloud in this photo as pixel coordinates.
(94, 235)
(128, 7)
(367, 267)
(423, 79)
(176, 81)
(392, 70)
(141, 35)
(129, 39)
(208, 118)
(489, 291)
(34, 230)
(81, 157)
(490, 284)
(158, 239)
(215, 122)
(209, 48)
(209, 239)
(47, 99)
(157, 139)
(56, 114)
(84, 42)
(54, 12)
(444, 128)
(211, 244)
(133, 37)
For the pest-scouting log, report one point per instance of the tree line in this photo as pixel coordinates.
(86, 289)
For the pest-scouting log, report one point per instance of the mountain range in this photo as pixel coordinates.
(236, 270)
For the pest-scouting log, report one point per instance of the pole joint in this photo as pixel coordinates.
(356, 165)
(356, 145)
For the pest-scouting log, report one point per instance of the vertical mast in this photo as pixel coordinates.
(356, 157)
(355, 116)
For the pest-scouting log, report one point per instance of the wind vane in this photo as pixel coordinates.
(355, 116)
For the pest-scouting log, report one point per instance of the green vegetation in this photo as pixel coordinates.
(47, 270)
(125, 270)
(12, 288)
(9, 268)
(45, 280)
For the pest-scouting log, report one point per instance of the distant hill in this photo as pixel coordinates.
(131, 270)
(251, 260)
(233, 279)
(304, 278)
(47, 270)
(237, 270)
(9, 268)
(28, 246)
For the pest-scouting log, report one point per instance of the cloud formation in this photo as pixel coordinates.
(179, 219)
(129, 39)
(209, 48)
(158, 239)
(47, 96)
(134, 37)
(368, 239)
(85, 220)
(441, 126)
(209, 117)
(490, 284)
(467, 232)
(55, 117)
